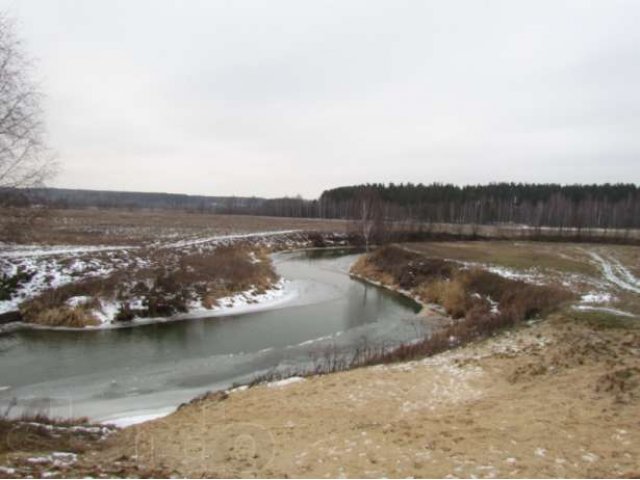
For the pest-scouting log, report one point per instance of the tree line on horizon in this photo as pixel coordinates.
(604, 206)
(553, 205)
(615, 206)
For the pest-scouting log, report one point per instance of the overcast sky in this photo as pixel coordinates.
(275, 97)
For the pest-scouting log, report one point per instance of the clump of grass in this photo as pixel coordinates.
(76, 317)
(40, 433)
(50, 307)
(227, 270)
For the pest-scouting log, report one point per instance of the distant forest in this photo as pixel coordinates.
(553, 205)
(571, 206)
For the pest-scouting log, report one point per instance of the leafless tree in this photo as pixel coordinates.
(369, 216)
(24, 160)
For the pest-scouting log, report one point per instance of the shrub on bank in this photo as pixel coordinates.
(459, 289)
(169, 288)
(465, 294)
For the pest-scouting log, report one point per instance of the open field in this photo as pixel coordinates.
(607, 277)
(93, 226)
(137, 227)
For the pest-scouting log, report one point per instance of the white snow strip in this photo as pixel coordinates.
(283, 292)
(616, 273)
(22, 251)
(123, 422)
(614, 311)
(596, 297)
(222, 238)
(285, 382)
(531, 276)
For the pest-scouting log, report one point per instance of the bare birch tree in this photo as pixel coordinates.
(24, 161)
(369, 215)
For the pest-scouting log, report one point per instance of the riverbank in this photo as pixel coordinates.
(555, 398)
(59, 287)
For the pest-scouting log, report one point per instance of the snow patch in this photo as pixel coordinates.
(596, 297)
(77, 301)
(614, 311)
(226, 238)
(123, 422)
(22, 251)
(285, 382)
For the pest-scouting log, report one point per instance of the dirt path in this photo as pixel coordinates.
(616, 273)
(554, 399)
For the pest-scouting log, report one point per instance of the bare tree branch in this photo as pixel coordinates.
(24, 159)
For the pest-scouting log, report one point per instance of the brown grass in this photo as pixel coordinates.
(465, 294)
(40, 433)
(49, 308)
(131, 227)
(455, 287)
(512, 254)
(166, 289)
(77, 317)
(228, 270)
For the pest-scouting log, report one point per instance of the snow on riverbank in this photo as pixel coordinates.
(54, 270)
(43, 267)
(22, 251)
(134, 418)
(226, 239)
(282, 293)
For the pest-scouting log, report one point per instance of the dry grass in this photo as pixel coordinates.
(39, 433)
(50, 307)
(519, 255)
(75, 317)
(204, 277)
(133, 227)
(167, 288)
(37, 446)
(466, 295)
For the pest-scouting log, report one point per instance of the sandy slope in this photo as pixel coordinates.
(554, 399)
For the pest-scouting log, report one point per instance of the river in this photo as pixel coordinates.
(148, 370)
